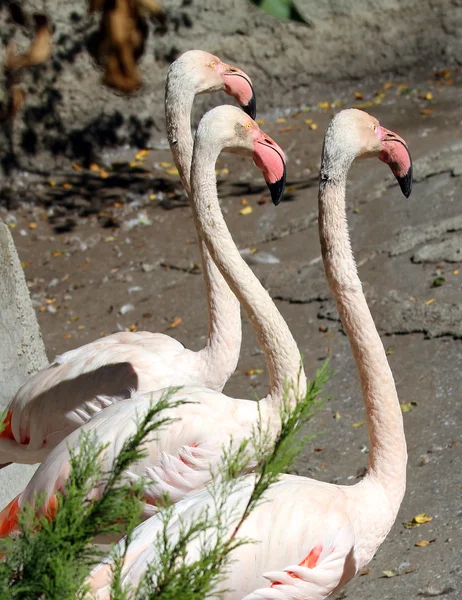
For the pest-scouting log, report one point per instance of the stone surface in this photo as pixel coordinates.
(21, 347)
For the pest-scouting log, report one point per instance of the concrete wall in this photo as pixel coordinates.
(21, 348)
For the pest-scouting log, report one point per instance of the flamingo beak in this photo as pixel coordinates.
(395, 154)
(238, 84)
(269, 157)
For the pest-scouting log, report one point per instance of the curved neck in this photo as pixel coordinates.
(222, 349)
(388, 455)
(280, 349)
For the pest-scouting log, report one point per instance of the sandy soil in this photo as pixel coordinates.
(119, 252)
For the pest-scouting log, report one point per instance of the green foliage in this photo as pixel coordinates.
(282, 9)
(51, 559)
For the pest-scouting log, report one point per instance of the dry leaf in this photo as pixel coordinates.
(246, 211)
(76, 167)
(141, 154)
(428, 302)
(165, 165)
(260, 121)
(407, 406)
(244, 201)
(176, 322)
(358, 96)
(281, 120)
(427, 111)
(365, 572)
(32, 225)
(360, 424)
(389, 573)
(422, 544)
(422, 518)
(313, 126)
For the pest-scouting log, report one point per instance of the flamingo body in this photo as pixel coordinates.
(312, 527)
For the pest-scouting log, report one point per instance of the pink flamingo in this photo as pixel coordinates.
(82, 382)
(312, 537)
(180, 457)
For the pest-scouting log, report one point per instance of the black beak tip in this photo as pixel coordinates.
(277, 188)
(405, 183)
(251, 107)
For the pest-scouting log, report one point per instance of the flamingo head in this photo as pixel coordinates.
(363, 135)
(236, 132)
(210, 74)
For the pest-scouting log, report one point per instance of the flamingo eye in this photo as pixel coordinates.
(374, 127)
(213, 64)
(248, 126)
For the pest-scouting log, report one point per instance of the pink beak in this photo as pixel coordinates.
(238, 84)
(396, 155)
(269, 157)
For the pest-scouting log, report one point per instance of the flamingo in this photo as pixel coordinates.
(182, 454)
(80, 383)
(312, 537)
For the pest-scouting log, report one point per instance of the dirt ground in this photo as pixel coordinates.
(114, 248)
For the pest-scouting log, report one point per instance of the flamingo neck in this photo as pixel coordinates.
(221, 353)
(388, 454)
(280, 349)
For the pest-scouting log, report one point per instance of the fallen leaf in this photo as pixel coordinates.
(52, 183)
(285, 129)
(260, 121)
(320, 449)
(456, 272)
(32, 225)
(141, 154)
(364, 572)
(337, 415)
(172, 171)
(428, 96)
(407, 406)
(313, 126)
(438, 282)
(165, 165)
(324, 105)
(422, 518)
(244, 201)
(152, 196)
(389, 573)
(387, 85)
(358, 96)
(360, 424)
(389, 351)
(67, 186)
(176, 322)
(133, 164)
(246, 211)
(428, 302)
(417, 521)
(67, 336)
(281, 120)
(308, 121)
(76, 167)
(427, 111)
(422, 543)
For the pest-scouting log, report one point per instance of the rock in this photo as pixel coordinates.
(21, 348)
(449, 250)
